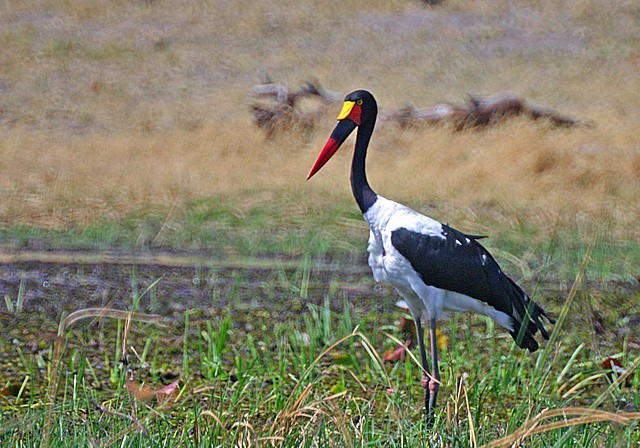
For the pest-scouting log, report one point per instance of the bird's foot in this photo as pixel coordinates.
(429, 383)
(433, 386)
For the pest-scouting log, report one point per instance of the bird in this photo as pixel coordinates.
(436, 269)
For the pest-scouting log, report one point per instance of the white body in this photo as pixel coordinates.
(389, 266)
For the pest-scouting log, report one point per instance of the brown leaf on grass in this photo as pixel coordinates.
(615, 369)
(140, 392)
(168, 391)
(12, 390)
(145, 393)
(399, 354)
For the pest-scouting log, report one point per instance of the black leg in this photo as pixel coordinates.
(426, 379)
(434, 384)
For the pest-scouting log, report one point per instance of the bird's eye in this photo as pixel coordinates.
(359, 102)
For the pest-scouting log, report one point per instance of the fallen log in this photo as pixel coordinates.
(478, 112)
(275, 108)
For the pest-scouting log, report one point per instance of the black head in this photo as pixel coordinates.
(359, 109)
(365, 108)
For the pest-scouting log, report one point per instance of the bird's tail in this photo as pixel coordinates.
(527, 321)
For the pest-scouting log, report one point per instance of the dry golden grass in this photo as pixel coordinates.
(110, 107)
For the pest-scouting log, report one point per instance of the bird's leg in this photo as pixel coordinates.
(425, 368)
(434, 382)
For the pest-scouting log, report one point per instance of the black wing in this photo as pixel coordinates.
(460, 264)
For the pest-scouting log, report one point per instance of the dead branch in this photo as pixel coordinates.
(275, 107)
(132, 419)
(478, 112)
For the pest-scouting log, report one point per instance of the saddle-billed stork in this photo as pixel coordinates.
(435, 268)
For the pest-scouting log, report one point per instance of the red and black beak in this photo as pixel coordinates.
(348, 120)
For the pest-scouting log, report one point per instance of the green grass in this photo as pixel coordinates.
(250, 375)
(292, 226)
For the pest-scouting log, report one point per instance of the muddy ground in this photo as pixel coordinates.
(257, 295)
